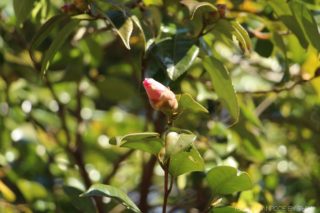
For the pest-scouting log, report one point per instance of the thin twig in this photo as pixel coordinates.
(278, 90)
(116, 166)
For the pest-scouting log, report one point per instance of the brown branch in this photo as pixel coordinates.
(145, 183)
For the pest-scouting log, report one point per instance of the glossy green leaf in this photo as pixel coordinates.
(225, 180)
(186, 102)
(112, 192)
(181, 67)
(186, 161)
(122, 24)
(45, 30)
(306, 22)
(147, 141)
(81, 203)
(172, 55)
(282, 10)
(223, 85)
(57, 44)
(22, 9)
(226, 209)
(193, 6)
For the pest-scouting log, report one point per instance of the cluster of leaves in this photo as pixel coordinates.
(75, 121)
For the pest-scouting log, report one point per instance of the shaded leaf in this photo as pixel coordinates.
(223, 85)
(81, 203)
(225, 180)
(22, 9)
(193, 6)
(186, 161)
(112, 192)
(186, 102)
(57, 44)
(45, 30)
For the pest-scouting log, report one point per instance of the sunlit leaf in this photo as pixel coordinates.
(193, 6)
(186, 161)
(306, 22)
(122, 24)
(227, 209)
(112, 192)
(223, 85)
(225, 180)
(178, 69)
(242, 36)
(282, 10)
(146, 141)
(186, 102)
(138, 24)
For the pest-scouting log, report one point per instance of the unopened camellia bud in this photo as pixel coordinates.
(171, 142)
(160, 97)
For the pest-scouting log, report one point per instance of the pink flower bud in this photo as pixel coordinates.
(160, 97)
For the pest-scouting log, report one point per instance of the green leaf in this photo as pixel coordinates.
(173, 55)
(193, 6)
(225, 180)
(230, 29)
(138, 24)
(57, 44)
(122, 24)
(148, 142)
(306, 22)
(223, 85)
(187, 102)
(112, 192)
(177, 70)
(81, 203)
(242, 36)
(45, 30)
(282, 10)
(226, 209)
(186, 161)
(22, 9)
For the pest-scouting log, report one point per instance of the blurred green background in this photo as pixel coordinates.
(50, 124)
